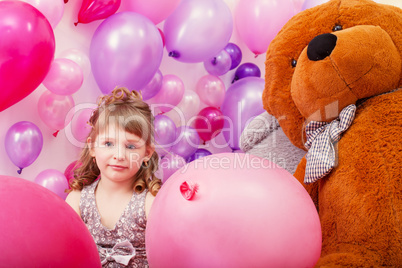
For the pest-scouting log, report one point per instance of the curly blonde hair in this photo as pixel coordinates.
(134, 116)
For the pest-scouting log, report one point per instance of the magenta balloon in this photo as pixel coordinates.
(126, 50)
(153, 87)
(243, 101)
(170, 94)
(26, 50)
(31, 218)
(53, 109)
(239, 210)
(54, 181)
(235, 54)
(209, 123)
(165, 134)
(169, 164)
(97, 10)
(187, 141)
(69, 171)
(23, 143)
(245, 70)
(219, 64)
(312, 3)
(198, 30)
(258, 21)
(211, 90)
(155, 10)
(65, 77)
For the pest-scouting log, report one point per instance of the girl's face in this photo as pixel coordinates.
(119, 154)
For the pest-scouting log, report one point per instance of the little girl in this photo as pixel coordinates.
(120, 152)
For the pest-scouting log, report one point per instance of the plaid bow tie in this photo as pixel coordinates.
(321, 138)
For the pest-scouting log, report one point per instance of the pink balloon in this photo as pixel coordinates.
(155, 10)
(209, 123)
(53, 110)
(312, 3)
(126, 50)
(97, 10)
(54, 181)
(185, 112)
(23, 143)
(78, 57)
(64, 77)
(52, 9)
(69, 171)
(258, 21)
(79, 126)
(170, 94)
(27, 48)
(219, 64)
(31, 218)
(239, 210)
(198, 30)
(211, 90)
(169, 164)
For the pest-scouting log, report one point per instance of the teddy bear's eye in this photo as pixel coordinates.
(294, 63)
(337, 28)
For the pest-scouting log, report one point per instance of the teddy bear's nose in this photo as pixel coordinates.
(321, 46)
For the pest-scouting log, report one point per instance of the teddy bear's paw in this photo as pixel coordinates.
(349, 260)
(257, 130)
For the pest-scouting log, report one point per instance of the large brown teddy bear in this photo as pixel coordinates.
(333, 81)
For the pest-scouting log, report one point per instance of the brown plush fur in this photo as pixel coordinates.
(359, 202)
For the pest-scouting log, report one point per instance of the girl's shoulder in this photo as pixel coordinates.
(73, 199)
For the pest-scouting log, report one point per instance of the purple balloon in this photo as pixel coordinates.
(23, 143)
(200, 153)
(219, 64)
(153, 87)
(187, 141)
(245, 70)
(198, 30)
(235, 54)
(165, 134)
(126, 50)
(169, 164)
(312, 3)
(54, 181)
(243, 101)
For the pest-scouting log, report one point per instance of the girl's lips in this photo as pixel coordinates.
(117, 167)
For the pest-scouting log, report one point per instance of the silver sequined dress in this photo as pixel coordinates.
(123, 246)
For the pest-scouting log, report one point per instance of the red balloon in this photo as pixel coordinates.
(209, 123)
(97, 10)
(26, 50)
(39, 229)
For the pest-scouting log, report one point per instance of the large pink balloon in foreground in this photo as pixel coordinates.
(39, 229)
(233, 210)
(27, 48)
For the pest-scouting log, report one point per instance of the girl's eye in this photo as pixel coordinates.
(131, 147)
(108, 144)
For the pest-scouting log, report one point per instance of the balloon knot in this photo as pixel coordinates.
(256, 55)
(235, 79)
(174, 54)
(214, 61)
(65, 1)
(55, 134)
(188, 190)
(19, 171)
(76, 23)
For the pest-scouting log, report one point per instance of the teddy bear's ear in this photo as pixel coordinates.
(285, 49)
